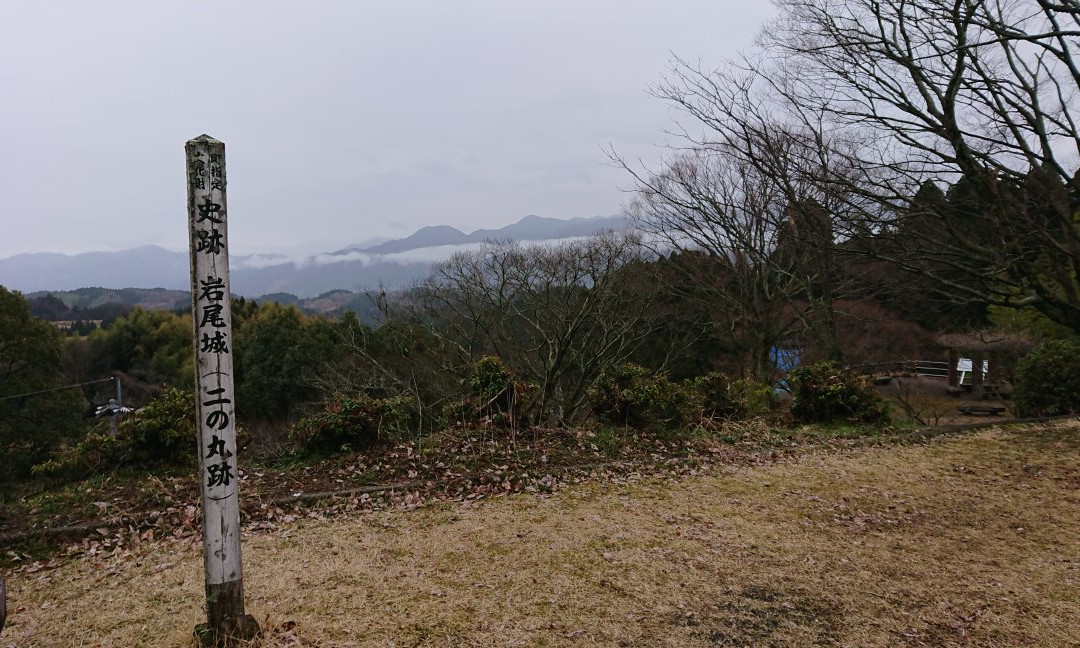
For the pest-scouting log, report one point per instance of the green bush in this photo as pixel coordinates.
(353, 423)
(634, 396)
(33, 425)
(824, 392)
(1047, 380)
(276, 351)
(162, 433)
(723, 398)
(495, 395)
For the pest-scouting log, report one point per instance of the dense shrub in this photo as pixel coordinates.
(824, 392)
(1047, 380)
(277, 352)
(354, 423)
(32, 424)
(161, 433)
(495, 396)
(637, 397)
(722, 398)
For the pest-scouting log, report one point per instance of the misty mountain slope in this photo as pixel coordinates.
(392, 264)
(148, 266)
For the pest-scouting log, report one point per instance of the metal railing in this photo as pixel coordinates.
(924, 368)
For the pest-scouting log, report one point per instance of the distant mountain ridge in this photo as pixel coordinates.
(148, 266)
(390, 264)
(530, 228)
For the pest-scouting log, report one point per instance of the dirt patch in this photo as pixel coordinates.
(758, 615)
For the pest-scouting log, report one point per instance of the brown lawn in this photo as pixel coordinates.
(964, 541)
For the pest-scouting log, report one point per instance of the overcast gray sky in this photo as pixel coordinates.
(342, 120)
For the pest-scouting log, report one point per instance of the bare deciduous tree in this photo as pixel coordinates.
(854, 105)
(557, 314)
(728, 223)
(978, 91)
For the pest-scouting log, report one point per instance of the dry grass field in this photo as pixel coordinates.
(969, 540)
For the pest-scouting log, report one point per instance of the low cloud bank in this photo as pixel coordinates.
(420, 255)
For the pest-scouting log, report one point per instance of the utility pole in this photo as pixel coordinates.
(114, 419)
(212, 316)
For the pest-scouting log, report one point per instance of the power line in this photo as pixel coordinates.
(46, 391)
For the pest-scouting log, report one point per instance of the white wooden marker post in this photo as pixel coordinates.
(212, 315)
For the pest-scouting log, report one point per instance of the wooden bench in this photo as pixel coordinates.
(981, 410)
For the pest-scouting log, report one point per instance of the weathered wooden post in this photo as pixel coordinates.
(977, 372)
(212, 315)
